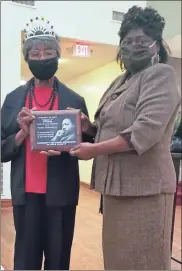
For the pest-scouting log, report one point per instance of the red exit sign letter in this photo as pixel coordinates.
(81, 50)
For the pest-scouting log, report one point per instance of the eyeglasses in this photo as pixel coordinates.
(140, 40)
(37, 54)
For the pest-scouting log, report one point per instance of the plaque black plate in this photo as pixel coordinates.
(55, 130)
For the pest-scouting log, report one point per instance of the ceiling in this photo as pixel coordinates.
(72, 66)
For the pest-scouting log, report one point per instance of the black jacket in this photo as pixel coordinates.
(62, 171)
(179, 130)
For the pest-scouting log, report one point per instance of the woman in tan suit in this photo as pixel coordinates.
(132, 165)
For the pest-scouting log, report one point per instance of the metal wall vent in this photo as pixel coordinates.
(26, 3)
(117, 16)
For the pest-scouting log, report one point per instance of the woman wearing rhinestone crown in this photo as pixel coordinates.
(44, 189)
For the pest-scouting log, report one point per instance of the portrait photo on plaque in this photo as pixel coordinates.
(55, 130)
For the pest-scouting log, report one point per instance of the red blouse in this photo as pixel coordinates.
(36, 163)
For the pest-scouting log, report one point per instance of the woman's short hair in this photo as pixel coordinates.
(49, 43)
(152, 24)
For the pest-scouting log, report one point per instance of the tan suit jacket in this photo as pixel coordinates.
(146, 106)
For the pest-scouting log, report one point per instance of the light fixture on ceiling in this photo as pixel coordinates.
(22, 82)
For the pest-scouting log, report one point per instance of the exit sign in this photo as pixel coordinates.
(81, 50)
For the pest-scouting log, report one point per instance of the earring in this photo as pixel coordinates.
(155, 59)
(158, 58)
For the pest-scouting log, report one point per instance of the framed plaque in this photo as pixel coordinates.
(58, 130)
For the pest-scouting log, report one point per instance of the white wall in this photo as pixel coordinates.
(88, 20)
(176, 63)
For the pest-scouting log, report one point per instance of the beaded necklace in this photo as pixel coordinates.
(51, 100)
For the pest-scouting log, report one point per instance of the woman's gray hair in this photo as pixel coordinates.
(49, 43)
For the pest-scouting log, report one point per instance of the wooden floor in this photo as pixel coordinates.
(87, 248)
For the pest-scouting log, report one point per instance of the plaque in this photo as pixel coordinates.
(58, 130)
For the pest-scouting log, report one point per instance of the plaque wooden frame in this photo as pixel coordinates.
(35, 146)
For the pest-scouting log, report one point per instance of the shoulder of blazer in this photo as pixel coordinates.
(159, 69)
(163, 72)
(70, 91)
(118, 79)
(17, 91)
(14, 95)
(161, 78)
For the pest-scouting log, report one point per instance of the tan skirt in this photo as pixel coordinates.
(137, 232)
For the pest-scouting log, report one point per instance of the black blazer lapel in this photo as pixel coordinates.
(63, 96)
(23, 95)
(118, 86)
(12, 106)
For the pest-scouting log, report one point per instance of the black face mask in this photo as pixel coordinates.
(43, 69)
(137, 57)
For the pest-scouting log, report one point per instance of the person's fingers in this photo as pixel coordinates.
(45, 153)
(70, 108)
(25, 128)
(29, 110)
(52, 152)
(18, 119)
(26, 109)
(74, 153)
(24, 124)
(21, 114)
(26, 112)
(83, 116)
(27, 119)
(76, 147)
